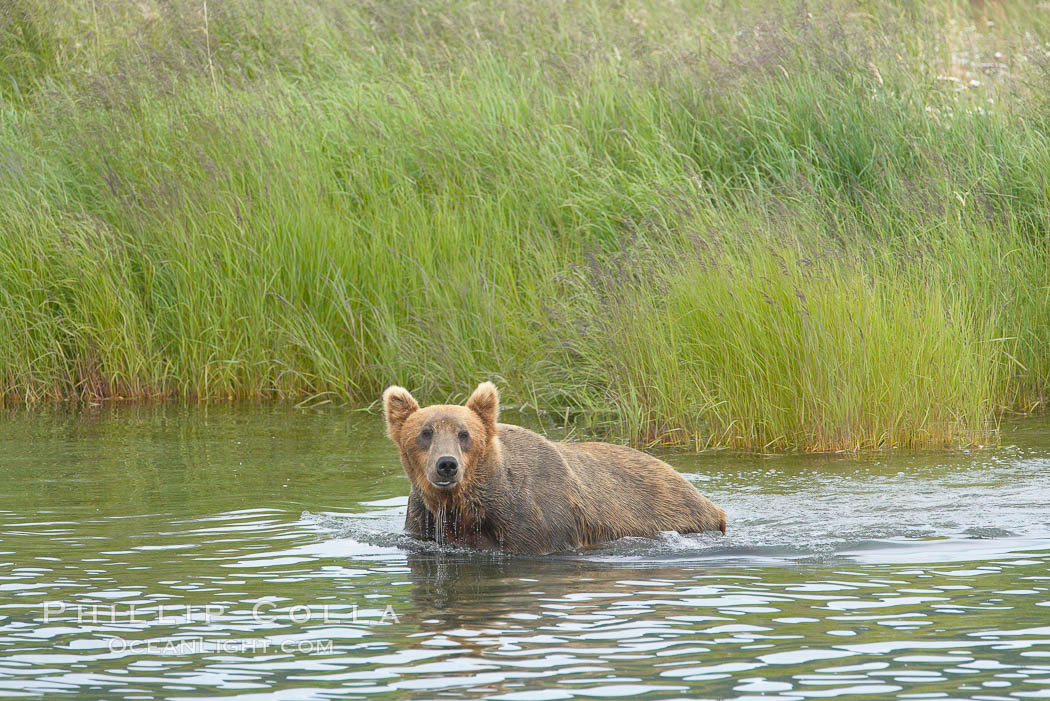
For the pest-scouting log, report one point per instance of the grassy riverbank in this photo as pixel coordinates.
(788, 226)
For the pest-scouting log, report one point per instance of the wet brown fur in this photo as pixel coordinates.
(518, 491)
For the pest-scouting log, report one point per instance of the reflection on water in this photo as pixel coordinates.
(256, 554)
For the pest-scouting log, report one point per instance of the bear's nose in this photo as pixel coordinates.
(447, 466)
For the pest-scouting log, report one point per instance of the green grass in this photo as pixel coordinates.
(757, 224)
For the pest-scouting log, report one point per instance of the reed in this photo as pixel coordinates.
(764, 225)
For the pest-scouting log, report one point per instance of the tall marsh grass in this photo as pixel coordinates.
(738, 224)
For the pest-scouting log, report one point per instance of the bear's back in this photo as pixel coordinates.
(637, 493)
(558, 496)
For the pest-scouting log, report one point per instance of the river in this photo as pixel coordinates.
(255, 553)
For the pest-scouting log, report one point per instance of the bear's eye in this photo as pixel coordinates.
(464, 436)
(427, 433)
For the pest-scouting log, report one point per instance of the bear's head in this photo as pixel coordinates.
(442, 446)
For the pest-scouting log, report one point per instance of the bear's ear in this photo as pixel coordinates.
(398, 405)
(485, 403)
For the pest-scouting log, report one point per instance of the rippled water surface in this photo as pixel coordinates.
(151, 553)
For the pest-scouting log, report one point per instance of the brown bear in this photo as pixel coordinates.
(482, 484)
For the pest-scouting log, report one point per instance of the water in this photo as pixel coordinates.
(907, 575)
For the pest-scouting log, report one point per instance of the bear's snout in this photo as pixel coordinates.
(446, 467)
